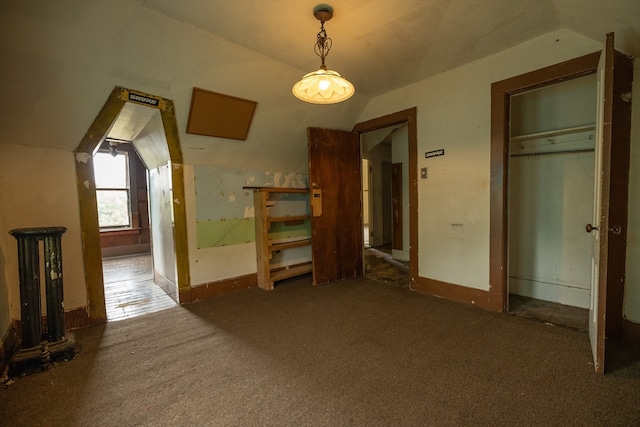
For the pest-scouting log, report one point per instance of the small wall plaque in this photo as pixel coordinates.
(434, 153)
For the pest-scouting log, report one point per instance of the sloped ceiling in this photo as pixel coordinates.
(59, 60)
(385, 44)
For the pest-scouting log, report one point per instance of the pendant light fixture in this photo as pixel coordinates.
(323, 86)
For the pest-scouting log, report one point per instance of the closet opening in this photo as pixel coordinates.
(550, 198)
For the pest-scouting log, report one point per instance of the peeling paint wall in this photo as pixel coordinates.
(220, 220)
(224, 210)
(37, 189)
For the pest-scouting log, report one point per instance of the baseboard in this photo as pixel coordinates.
(631, 332)
(214, 289)
(115, 251)
(76, 318)
(456, 293)
(167, 285)
(8, 347)
(73, 319)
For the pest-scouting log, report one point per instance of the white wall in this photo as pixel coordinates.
(632, 289)
(453, 203)
(37, 189)
(161, 207)
(64, 57)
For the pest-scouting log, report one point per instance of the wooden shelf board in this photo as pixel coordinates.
(288, 218)
(286, 245)
(290, 272)
(277, 189)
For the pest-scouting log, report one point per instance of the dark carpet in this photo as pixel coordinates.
(359, 352)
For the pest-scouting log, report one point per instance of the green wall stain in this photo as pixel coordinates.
(225, 232)
(239, 231)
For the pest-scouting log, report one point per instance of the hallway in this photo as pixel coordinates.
(129, 290)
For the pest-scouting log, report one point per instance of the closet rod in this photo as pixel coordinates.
(544, 153)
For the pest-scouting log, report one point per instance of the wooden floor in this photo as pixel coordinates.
(550, 312)
(129, 290)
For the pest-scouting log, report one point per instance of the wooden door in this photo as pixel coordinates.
(396, 206)
(609, 226)
(335, 179)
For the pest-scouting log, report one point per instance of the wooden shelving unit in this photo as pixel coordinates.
(266, 246)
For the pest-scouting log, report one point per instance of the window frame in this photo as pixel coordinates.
(126, 189)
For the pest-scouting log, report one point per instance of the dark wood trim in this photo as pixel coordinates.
(500, 95)
(409, 116)
(77, 318)
(8, 346)
(617, 187)
(222, 287)
(457, 293)
(631, 332)
(120, 232)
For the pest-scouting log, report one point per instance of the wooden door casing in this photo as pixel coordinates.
(396, 206)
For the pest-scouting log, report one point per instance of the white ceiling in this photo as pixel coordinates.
(381, 45)
(60, 59)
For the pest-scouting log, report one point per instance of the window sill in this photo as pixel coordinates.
(120, 231)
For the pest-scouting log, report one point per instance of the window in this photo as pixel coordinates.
(112, 189)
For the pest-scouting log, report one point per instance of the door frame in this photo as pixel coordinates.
(501, 93)
(396, 206)
(91, 250)
(409, 117)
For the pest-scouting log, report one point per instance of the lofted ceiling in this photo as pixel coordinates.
(381, 45)
(59, 60)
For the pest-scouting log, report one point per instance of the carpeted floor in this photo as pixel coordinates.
(359, 352)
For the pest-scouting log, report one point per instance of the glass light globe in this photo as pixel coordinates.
(323, 87)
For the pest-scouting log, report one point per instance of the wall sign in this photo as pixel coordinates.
(143, 99)
(435, 153)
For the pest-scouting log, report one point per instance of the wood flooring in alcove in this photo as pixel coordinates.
(129, 290)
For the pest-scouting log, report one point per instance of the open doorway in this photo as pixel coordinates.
(125, 233)
(551, 193)
(408, 118)
(149, 123)
(384, 153)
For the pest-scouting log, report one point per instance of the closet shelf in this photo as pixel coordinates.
(552, 133)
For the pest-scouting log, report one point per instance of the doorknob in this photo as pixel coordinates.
(616, 229)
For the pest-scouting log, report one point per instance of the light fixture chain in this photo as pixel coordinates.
(323, 43)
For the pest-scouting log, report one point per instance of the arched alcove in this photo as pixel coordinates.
(168, 154)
